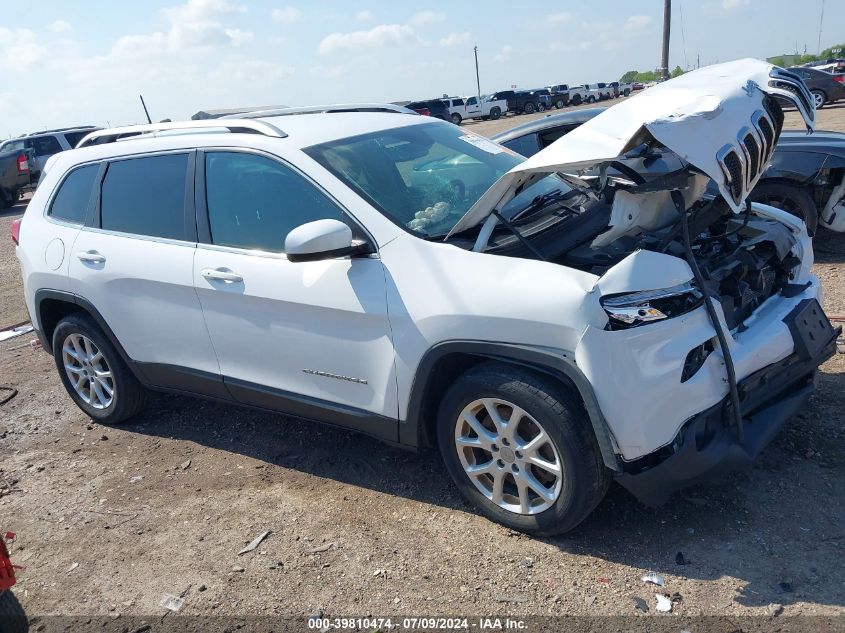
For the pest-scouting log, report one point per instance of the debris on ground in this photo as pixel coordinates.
(655, 579)
(774, 609)
(255, 542)
(12, 392)
(680, 559)
(135, 479)
(664, 604)
(640, 604)
(15, 331)
(325, 547)
(171, 602)
(73, 566)
(185, 465)
(513, 599)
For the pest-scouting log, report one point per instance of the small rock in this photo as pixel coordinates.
(202, 588)
(238, 569)
(528, 562)
(396, 600)
(103, 438)
(185, 465)
(640, 604)
(775, 609)
(590, 600)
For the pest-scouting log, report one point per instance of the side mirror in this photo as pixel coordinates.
(322, 239)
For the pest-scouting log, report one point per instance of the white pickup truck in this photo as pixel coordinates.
(470, 108)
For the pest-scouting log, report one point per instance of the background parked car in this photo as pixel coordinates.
(620, 89)
(579, 95)
(430, 107)
(457, 109)
(560, 95)
(519, 102)
(487, 109)
(45, 144)
(15, 174)
(598, 92)
(824, 87)
(806, 176)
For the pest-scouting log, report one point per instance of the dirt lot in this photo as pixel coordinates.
(110, 519)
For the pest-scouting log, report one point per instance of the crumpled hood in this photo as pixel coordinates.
(713, 118)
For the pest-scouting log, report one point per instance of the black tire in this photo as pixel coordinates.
(541, 107)
(559, 104)
(529, 108)
(455, 118)
(12, 616)
(591, 99)
(495, 113)
(626, 93)
(7, 200)
(560, 413)
(129, 397)
(819, 96)
(576, 100)
(793, 199)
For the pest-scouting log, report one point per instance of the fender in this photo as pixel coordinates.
(556, 363)
(797, 166)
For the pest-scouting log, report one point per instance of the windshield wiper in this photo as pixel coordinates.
(510, 227)
(544, 200)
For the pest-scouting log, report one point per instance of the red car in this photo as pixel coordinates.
(12, 616)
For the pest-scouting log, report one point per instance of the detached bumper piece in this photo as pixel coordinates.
(707, 444)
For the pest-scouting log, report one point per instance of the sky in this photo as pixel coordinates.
(75, 62)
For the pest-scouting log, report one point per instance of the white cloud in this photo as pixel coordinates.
(60, 26)
(454, 39)
(201, 10)
(427, 17)
(637, 22)
(288, 15)
(238, 37)
(246, 70)
(505, 54)
(364, 16)
(734, 4)
(379, 36)
(20, 49)
(558, 18)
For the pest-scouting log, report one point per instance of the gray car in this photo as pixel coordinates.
(45, 144)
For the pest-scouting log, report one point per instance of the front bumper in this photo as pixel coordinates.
(707, 444)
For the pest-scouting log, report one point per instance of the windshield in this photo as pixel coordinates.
(425, 177)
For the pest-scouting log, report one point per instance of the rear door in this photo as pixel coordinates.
(134, 263)
(43, 147)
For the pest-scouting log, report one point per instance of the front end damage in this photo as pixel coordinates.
(713, 329)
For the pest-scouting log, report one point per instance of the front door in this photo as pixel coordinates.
(309, 338)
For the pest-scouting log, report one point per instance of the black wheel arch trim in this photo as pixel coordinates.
(555, 363)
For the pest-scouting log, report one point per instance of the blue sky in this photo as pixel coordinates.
(73, 62)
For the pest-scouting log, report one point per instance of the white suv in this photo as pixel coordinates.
(550, 324)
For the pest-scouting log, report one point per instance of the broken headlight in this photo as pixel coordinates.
(638, 308)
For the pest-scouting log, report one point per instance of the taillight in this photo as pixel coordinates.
(424, 111)
(23, 164)
(839, 78)
(16, 231)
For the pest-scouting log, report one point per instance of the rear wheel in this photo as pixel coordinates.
(541, 107)
(455, 118)
(576, 100)
(495, 113)
(93, 372)
(12, 616)
(529, 108)
(519, 446)
(819, 98)
(791, 198)
(559, 104)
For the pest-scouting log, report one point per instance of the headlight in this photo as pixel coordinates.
(638, 308)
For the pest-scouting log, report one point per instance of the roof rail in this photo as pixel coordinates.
(235, 125)
(322, 109)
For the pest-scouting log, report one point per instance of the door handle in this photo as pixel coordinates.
(215, 274)
(92, 257)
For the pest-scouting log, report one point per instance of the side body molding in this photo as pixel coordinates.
(556, 363)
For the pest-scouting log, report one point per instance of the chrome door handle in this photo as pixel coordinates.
(92, 257)
(213, 274)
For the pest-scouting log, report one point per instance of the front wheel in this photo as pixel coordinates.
(559, 104)
(793, 199)
(520, 447)
(576, 100)
(93, 372)
(529, 108)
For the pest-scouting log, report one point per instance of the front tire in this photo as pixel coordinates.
(93, 372)
(520, 447)
(559, 104)
(576, 100)
(791, 198)
(529, 108)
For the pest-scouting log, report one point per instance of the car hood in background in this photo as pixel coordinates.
(698, 116)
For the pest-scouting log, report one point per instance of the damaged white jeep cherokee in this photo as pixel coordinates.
(550, 324)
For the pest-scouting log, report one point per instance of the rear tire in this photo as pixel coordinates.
(103, 386)
(541, 107)
(793, 199)
(12, 616)
(546, 406)
(819, 98)
(559, 104)
(495, 113)
(576, 100)
(529, 108)
(455, 118)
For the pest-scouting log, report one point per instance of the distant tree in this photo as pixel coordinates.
(629, 77)
(677, 72)
(832, 52)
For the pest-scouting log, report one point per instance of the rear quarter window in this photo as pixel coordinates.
(72, 200)
(146, 196)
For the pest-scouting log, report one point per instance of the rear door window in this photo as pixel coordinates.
(146, 196)
(72, 199)
(45, 145)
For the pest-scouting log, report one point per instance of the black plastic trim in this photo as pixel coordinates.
(552, 362)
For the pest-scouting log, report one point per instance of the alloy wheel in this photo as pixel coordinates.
(508, 456)
(818, 99)
(87, 370)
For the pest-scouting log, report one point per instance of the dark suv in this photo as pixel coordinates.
(430, 107)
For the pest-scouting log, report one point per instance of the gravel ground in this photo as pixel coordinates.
(110, 519)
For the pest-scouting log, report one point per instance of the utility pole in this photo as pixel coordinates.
(667, 21)
(821, 23)
(477, 79)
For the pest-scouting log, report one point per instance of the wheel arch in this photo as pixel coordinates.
(51, 306)
(444, 362)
